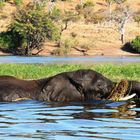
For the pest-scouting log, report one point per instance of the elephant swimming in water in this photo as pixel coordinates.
(79, 85)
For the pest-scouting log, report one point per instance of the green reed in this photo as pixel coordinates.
(33, 71)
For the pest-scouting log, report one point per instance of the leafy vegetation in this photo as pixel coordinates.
(31, 26)
(66, 47)
(86, 9)
(137, 17)
(42, 20)
(9, 41)
(33, 71)
(135, 44)
(16, 2)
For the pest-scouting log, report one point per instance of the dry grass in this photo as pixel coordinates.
(103, 40)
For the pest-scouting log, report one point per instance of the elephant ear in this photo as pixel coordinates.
(76, 79)
(77, 83)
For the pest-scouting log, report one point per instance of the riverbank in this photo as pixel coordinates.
(108, 51)
(34, 71)
(84, 38)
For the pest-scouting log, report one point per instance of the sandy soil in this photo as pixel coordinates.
(100, 39)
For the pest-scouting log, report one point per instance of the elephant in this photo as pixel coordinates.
(78, 85)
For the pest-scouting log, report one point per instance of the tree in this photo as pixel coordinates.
(110, 2)
(121, 17)
(33, 25)
(62, 19)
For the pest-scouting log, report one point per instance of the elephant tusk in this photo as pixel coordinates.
(127, 97)
(21, 99)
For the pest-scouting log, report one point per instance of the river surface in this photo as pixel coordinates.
(93, 120)
(65, 60)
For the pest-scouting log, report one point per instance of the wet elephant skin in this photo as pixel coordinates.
(77, 85)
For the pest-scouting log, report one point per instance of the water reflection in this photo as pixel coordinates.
(80, 120)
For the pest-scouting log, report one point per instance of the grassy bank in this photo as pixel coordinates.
(33, 71)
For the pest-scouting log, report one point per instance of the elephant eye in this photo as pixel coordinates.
(99, 84)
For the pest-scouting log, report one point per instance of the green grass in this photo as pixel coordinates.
(33, 71)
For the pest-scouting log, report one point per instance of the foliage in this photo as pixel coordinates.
(55, 14)
(9, 41)
(33, 26)
(79, 8)
(1, 3)
(119, 1)
(66, 47)
(16, 2)
(87, 10)
(62, 19)
(135, 44)
(73, 34)
(88, 4)
(137, 17)
(115, 1)
(5, 40)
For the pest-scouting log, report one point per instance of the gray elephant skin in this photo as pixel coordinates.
(77, 85)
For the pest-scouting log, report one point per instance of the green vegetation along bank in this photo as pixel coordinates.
(34, 71)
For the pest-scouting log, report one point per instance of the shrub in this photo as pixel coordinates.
(73, 34)
(88, 4)
(86, 9)
(55, 14)
(5, 40)
(79, 8)
(33, 25)
(18, 2)
(135, 44)
(137, 19)
(8, 40)
(66, 47)
(1, 3)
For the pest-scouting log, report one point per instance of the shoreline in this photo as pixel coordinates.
(95, 54)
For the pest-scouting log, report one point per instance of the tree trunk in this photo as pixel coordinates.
(122, 29)
(28, 52)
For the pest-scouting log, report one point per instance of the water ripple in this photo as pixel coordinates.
(31, 120)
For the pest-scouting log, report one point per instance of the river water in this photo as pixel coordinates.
(66, 60)
(92, 120)
(99, 120)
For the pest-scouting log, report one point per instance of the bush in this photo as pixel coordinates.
(55, 14)
(79, 8)
(137, 19)
(88, 4)
(1, 3)
(66, 47)
(5, 40)
(135, 44)
(33, 25)
(18, 2)
(8, 40)
(86, 9)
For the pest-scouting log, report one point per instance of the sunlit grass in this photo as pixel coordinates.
(33, 71)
